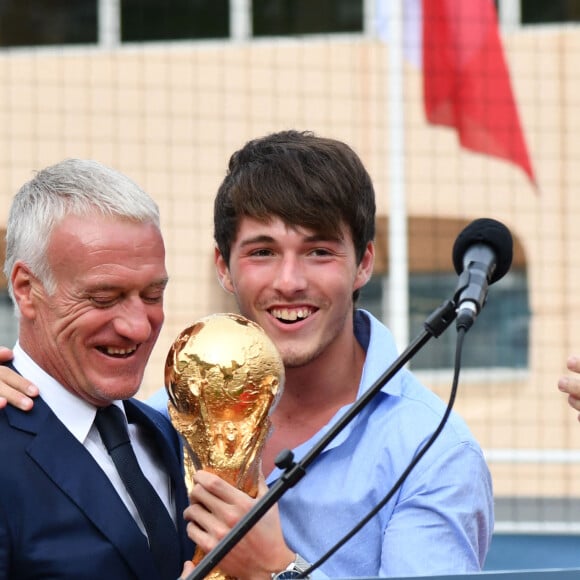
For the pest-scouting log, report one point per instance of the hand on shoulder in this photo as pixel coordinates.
(15, 390)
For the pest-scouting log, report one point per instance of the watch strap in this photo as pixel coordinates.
(295, 569)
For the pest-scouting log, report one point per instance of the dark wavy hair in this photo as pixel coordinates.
(305, 180)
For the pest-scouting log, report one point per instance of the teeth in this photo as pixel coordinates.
(291, 315)
(120, 351)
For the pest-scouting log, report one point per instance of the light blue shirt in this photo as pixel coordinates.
(439, 522)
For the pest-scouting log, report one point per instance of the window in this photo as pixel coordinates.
(499, 337)
(513, 13)
(542, 12)
(292, 17)
(145, 20)
(67, 22)
(48, 22)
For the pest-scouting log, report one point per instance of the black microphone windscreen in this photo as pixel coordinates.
(490, 233)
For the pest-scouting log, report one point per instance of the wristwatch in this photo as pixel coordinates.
(295, 569)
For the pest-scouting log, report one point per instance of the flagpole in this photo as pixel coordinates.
(397, 289)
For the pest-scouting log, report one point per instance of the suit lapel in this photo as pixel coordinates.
(60, 456)
(93, 493)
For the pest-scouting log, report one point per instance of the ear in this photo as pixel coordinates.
(22, 287)
(223, 272)
(365, 268)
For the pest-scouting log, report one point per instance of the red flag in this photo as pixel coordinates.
(466, 81)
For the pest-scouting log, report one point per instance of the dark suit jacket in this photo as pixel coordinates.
(60, 516)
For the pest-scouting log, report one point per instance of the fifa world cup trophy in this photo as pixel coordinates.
(223, 376)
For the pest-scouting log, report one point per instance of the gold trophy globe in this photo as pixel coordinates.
(223, 376)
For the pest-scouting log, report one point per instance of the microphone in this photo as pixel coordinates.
(482, 254)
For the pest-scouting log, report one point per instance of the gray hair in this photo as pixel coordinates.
(72, 187)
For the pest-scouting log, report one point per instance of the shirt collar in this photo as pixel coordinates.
(381, 352)
(76, 414)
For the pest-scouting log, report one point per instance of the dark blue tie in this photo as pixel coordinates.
(162, 534)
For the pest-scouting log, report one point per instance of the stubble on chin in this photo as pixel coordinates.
(296, 358)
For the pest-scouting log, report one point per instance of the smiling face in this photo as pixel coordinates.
(297, 285)
(95, 333)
